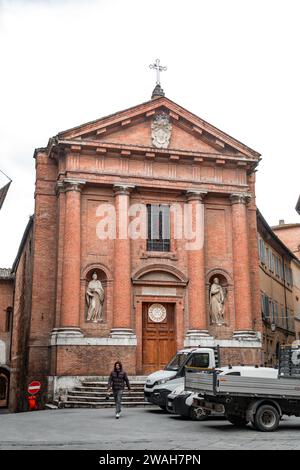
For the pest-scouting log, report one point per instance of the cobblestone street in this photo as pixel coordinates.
(137, 429)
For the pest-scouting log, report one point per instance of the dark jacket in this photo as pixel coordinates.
(118, 379)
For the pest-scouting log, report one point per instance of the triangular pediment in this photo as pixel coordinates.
(132, 127)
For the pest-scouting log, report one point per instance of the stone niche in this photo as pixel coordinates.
(224, 328)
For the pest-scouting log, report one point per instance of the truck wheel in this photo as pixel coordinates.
(266, 418)
(237, 421)
(198, 414)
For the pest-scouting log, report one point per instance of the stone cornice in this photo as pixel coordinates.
(102, 148)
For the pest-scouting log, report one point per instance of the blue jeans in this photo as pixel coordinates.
(118, 399)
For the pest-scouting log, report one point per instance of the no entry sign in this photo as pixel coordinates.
(34, 387)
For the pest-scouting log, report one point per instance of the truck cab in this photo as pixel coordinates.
(159, 384)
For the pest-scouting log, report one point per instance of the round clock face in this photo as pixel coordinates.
(157, 313)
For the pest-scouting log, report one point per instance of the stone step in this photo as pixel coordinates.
(104, 384)
(78, 391)
(80, 404)
(101, 399)
(104, 387)
(92, 394)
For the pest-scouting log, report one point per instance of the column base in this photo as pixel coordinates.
(246, 335)
(194, 338)
(122, 333)
(197, 334)
(66, 332)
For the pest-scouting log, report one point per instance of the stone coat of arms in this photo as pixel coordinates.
(161, 130)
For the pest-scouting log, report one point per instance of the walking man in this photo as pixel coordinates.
(117, 381)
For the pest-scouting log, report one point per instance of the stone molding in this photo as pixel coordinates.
(197, 335)
(69, 340)
(235, 342)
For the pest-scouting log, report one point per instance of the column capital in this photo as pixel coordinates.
(123, 188)
(69, 184)
(195, 195)
(240, 198)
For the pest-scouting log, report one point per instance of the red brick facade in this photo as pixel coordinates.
(114, 161)
(6, 309)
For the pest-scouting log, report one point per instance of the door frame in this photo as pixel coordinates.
(179, 322)
(6, 373)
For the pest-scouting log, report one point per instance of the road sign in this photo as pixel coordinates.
(34, 387)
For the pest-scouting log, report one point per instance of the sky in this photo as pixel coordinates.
(66, 62)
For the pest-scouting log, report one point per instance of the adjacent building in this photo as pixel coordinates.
(289, 234)
(278, 286)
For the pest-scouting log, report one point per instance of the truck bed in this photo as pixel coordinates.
(216, 385)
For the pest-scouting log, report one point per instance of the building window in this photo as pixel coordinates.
(268, 257)
(277, 266)
(271, 261)
(280, 268)
(262, 251)
(265, 307)
(276, 313)
(288, 275)
(8, 322)
(158, 227)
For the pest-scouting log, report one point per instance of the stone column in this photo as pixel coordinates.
(70, 303)
(196, 273)
(122, 264)
(241, 271)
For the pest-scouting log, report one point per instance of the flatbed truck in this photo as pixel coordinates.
(261, 401)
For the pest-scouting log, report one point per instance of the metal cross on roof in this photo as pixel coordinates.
(159, 68)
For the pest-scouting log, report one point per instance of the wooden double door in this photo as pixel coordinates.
(159, 339)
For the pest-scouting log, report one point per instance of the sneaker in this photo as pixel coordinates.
(117, 415)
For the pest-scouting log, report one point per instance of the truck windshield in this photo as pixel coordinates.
(177, 362)
(200, 360)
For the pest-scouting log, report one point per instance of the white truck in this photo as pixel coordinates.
(186, 403)
(159, 384)
(261, 401)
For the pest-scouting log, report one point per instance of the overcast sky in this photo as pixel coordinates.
(233, 63)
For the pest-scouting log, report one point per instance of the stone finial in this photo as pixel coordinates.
(157, 92)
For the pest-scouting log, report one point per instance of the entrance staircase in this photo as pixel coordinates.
(93, 395)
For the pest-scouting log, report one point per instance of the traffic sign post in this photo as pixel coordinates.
(33, 388)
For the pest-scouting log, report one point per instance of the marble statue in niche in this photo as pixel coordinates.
(217, 296)
(95, 300)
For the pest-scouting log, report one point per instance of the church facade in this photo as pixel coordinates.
(143, 241)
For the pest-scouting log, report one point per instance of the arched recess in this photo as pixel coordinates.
(223, 275)
(103, 275)
(159, 274)
(226, 282)
(4, 386)
(103, 271)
